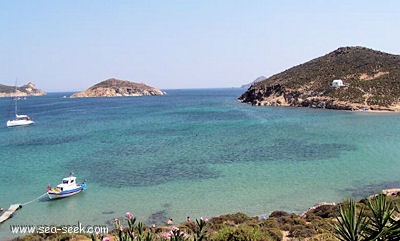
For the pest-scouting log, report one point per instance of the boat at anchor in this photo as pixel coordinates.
(66, 188)
(19, 120)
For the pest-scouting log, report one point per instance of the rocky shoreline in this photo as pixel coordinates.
(278, 95)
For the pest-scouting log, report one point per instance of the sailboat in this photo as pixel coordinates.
(19, 120)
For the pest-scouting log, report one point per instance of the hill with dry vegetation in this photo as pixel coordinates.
(371, 82)
(24, 90)
(115, 87)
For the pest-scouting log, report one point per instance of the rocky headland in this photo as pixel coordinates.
(24, 90)
(115, 88)
(369, 80)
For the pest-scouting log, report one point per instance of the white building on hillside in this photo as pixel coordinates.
(337, 83)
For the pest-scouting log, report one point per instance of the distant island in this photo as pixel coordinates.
(24, 90)
(115, 87)
(261, 78)
(349, 78)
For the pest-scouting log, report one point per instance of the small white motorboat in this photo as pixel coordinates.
(66, 188)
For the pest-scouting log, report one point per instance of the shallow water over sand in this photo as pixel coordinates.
(189, 153)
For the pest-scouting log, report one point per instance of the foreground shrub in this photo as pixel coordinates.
(246, 233)
(377, 223)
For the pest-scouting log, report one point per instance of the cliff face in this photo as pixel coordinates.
(25, 90)
(371, 81)
(115, 87)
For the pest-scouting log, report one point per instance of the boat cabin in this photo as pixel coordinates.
(68, 180)
(67, 183)
(22, 117)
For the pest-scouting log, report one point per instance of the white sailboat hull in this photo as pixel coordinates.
(12, 123)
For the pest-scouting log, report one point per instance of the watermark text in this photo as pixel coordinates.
(49, 229)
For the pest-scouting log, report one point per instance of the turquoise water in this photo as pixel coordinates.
(189, 153)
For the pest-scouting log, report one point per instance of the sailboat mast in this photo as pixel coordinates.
(16, 100)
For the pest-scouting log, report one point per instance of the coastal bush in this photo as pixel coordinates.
(322, 211)
(286, 221)
(52, 237)
(323, 237)
(299, 227)
(271, 223)
(220, 222)
(322, 226)
(245, 233)
(274, 233)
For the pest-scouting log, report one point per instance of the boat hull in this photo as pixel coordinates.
(55, 195)
(13, 123)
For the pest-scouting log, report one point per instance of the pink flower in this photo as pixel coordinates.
(175, 229)
(166, 235)
(129, 215)
(204, 219)
(121, 227)
(115, 220)
(133, 234)
(106, 239)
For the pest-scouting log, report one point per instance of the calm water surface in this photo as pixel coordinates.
(189, 153)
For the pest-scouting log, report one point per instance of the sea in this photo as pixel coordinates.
(191, 152)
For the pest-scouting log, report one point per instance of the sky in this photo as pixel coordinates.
(178, 44)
